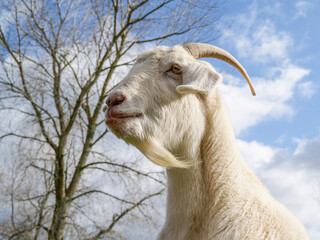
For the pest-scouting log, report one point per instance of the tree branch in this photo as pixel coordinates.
(122, 214)
(125, 167)
(101, 192)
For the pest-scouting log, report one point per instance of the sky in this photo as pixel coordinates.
(278, 130)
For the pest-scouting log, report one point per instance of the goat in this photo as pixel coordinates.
(168, 106)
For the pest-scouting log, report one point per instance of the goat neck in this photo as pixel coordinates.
(195, 193)
(223, 164)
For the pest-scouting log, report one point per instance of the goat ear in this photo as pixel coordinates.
(199, 78)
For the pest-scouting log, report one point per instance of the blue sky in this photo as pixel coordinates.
(278, 130)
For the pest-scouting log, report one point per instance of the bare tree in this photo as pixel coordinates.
(59, 59)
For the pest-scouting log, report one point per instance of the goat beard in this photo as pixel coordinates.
(157, 154)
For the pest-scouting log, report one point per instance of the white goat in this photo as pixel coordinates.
(169, 108)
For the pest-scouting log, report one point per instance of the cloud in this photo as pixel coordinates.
(251, 151)
(302, 7)
(272, 100)
(258, 39)
(292, 178)
(307, 154)
(307, 89)
(264, 45)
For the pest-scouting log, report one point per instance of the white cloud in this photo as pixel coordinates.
(302, 8)
(291, 178)
(272, 100)
(255, 153)
(307, 89)
(264, 45)
(257, 39)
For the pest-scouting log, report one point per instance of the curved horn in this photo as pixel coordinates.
(201, 50)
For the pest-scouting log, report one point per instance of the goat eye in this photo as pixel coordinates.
(175, 69)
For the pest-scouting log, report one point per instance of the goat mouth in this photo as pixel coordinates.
(113, 117)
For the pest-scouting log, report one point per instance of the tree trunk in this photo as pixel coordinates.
(61, 207)
(59, 221)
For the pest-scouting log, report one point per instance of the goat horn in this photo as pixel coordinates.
(202, 50)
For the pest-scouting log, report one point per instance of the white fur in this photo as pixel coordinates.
(185, 127)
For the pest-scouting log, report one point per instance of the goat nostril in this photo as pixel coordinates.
(119, 100)
(113, 101)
